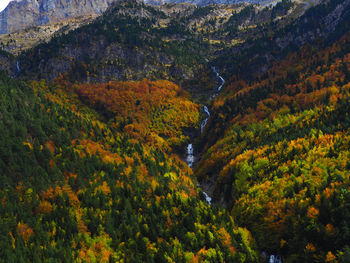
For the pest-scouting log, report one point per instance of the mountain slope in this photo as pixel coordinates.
(280, 161)
(226, 24)
(212, 2)
(128, 42)
(132, 40)
(21, 14)
(93, 138)
(78, 189)
(329, 19)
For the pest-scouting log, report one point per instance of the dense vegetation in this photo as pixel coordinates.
(129, 41)
(156, 112)
(132, 41)
(78, 189)
(91, 159)
(272, 42)
(282, 159)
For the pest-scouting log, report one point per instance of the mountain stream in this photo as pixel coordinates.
(190, 150)
(190, 159)
(18, 69)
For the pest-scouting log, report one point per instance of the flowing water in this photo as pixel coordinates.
(190, 156)
(220, 86)
(275, 259)
(221, 78)
(204, 122)
(207, 197)
(190, 151)
(18, 69)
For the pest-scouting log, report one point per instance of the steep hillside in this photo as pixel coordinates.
(212, 2)
(281, 158)
(25, 39)
(78, 189)
(96, 116)
(43, 19)
(128, 42)
(7, 62)
(131, 41)
(22, 14)
(329, 19)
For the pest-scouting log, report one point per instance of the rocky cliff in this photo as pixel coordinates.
(210, 2)
(21, 14)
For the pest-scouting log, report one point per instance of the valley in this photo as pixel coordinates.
(170, 131)
(191, 158)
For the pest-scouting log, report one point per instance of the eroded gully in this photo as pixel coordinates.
(190, 159)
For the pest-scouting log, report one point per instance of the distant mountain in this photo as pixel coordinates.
(98, 118)
(275, 136)
(20, 14)
(129, 41)
(328, 20)
(209, 2)
(132, 40)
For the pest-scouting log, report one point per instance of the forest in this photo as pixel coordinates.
(95, 125)
(79, 187)
(281, 157)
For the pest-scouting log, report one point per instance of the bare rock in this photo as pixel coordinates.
(21, 14)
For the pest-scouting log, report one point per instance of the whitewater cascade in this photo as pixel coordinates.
(18, 69)
(190, 156)
(220, 86)
(207, 197)
(275, 259)
(206, 110)
(204, 122)
(190, 151)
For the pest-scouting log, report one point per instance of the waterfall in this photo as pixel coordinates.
(220, 86)
(215, 71)
(189, 150)
(207, 197)
(18, 69)
(275, 259)
(204, 122)
(222, 83)
(190, 155)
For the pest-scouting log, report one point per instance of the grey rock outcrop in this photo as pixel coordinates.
(21, 14)
(209, 2)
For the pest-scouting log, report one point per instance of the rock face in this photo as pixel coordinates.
(209, 2)
(21, 14)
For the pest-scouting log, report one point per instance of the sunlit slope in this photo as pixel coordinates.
(281, 160)
(78, 188)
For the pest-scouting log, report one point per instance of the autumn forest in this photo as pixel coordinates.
(97, 124)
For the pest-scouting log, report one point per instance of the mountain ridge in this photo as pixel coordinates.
(21, 14)
(98, 121)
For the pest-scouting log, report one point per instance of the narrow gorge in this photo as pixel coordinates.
(191, 158)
